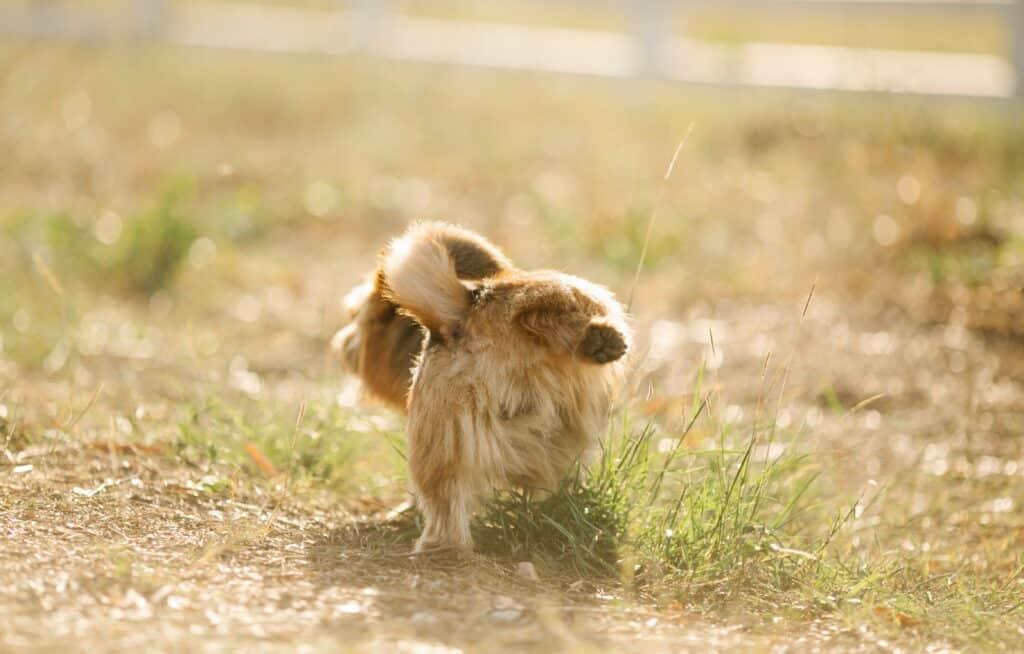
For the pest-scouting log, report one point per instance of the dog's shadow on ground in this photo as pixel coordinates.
(442, 595)
(379, 552)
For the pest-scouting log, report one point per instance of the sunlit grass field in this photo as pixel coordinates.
(819, 439)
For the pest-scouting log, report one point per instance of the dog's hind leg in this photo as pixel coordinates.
(563, 324)
(602, 342)
(447, 508)
(444, 489)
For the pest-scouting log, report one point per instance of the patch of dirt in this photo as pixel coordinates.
(148, 561)
(111, 547)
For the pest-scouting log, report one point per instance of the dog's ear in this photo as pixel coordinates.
(420, 277)
(356, 298)
(387, 356)
(474, 256)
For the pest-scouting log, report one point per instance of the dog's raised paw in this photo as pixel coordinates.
(603, 343)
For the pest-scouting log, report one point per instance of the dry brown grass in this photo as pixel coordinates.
(297, 169)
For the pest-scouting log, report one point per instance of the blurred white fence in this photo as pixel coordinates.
(650, 48)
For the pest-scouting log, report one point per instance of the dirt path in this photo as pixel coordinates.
(150, 564)
(111, 547)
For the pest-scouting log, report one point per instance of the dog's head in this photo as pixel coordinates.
(381, 344)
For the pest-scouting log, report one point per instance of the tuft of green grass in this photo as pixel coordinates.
(650, 514)
(581, 525)
(141, 257)
(153, 246)
(316, 444)
(739, 525)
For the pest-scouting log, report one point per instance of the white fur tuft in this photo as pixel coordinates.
(421, 279)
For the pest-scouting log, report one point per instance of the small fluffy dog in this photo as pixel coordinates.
(512, 375)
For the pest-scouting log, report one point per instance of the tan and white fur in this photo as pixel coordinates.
(381, 344)
(514, 380)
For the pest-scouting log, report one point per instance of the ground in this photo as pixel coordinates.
(828, 354)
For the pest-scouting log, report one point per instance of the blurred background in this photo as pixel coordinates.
(188, 188)
(964, 48)
(164, 149)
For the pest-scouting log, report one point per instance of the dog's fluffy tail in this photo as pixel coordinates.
(421, 278)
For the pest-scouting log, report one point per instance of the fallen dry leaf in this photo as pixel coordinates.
(896, 617)
(260, 459)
